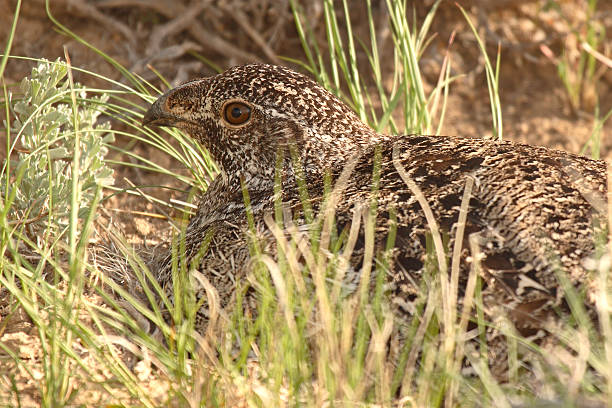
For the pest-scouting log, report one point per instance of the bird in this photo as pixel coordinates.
(531, 210)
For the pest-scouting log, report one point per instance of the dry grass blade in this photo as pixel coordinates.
(375, 357)
(328, 211)
(431, 220)
(345, 257)
(598, 55)
(454, 332)
(479, 366)
(290, 255)
(282, 295)
(213, 304)
(417, 342)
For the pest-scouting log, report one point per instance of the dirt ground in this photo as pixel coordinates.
(170, 34)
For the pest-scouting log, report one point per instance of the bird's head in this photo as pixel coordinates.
(247, 114)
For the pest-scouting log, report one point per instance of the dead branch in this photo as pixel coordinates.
(88, 10)
(172, 10)
(242, 20)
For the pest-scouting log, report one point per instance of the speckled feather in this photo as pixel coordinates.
(534, 209)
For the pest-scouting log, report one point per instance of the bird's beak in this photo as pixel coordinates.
(158, 115)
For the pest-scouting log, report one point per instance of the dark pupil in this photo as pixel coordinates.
(236, 112)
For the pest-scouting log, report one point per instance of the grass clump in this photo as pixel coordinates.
(577, 64)
(338, 69)
(582, 65)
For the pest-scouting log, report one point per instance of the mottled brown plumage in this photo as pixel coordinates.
(534, 210)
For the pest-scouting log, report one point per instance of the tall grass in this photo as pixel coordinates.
(317, 338)
(577, 66)
(339, 68)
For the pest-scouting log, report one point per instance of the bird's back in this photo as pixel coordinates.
(534, 210)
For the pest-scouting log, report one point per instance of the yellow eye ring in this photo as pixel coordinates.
(236, 113)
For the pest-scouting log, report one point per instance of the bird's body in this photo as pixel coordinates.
(534, 211)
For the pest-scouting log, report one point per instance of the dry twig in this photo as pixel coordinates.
(173, 10)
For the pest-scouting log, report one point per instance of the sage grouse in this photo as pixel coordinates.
(533, 210)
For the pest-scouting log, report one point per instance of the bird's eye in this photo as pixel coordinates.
(237, 113)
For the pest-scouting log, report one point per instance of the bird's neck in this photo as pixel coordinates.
(322, 155)
(316, 156)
